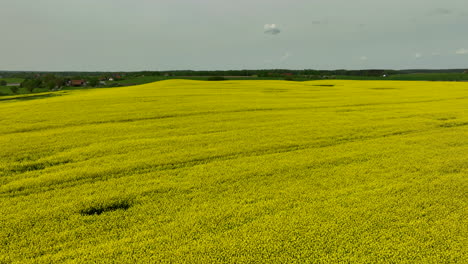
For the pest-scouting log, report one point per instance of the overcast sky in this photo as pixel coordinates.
(132, 35)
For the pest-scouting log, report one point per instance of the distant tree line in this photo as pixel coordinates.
(95, 77)
(48, 81)
(53, 82)
(56, 80)
(268, 73)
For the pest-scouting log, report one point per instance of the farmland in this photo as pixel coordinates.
(184, 171)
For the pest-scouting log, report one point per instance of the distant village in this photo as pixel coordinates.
(103, 80)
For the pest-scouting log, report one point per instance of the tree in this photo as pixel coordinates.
(3, 83)
(50, 85)
(14, 89)
(52, 82)
(48, 78)
(93, 82)
(216, 78)
(31, 84)
(59, 82)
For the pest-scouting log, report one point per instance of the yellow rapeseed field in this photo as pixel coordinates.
(236, 172)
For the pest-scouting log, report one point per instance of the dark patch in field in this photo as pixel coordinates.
(275, 90)
(30, 97)
(347, 110)
(20, 168)
(446, 118)
(324, 85)
(403, 102)
(384, 88)
(102, 207)
(454, 124)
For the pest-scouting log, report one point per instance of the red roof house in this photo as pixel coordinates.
(77, 82)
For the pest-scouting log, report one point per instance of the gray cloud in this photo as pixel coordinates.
(271, 29)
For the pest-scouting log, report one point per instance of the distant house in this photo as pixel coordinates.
(77, 83)
(288, 74)
(111, 79)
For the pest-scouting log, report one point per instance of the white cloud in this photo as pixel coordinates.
(271, 29)
(462, 52)
(363, 58)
